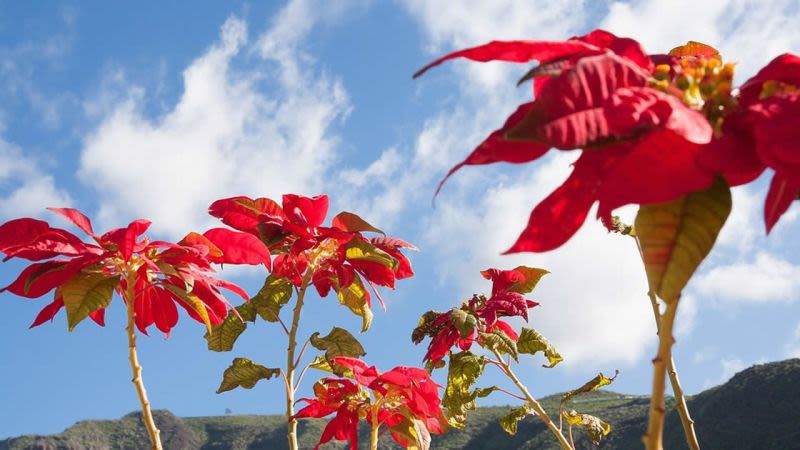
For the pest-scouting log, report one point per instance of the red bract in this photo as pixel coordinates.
(154, 275)
(763, 132)
(404, 399)
(596, 92)
(336, 257)
(464, 325)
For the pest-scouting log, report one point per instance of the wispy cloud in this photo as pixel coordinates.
(261, 130)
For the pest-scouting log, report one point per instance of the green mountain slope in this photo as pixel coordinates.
(756, 409)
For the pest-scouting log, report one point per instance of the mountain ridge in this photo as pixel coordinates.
(760, 400)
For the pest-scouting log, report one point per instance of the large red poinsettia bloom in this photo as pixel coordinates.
(155, 275)
(404, 399)
(464, 325)
(652, 127)
(337, 257)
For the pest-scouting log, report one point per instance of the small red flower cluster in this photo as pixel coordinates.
(463, 326)
(404, 399)
(155, 275)
(339, 256)
(652, 127)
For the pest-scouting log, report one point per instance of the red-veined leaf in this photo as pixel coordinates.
(694, 48)
(19, 232)
(76, 217)
(48, 312)
(309, 211)
(782, 192)
(517, 51)
(348, 221)
(194, 239)
(238, 247)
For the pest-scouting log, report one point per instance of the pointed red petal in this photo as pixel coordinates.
(76, 217)
(782, 192)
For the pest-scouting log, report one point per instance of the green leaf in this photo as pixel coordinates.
(531, 341)
(355, 298)
(360, 250)
(463, 371)
(532, 277)
(85, 293)
(352, 222)
(509, 421)
(245, 373)
(425, 327)
(320, 363)
(224, 335)
(276, 292)
(595, 427)
(676, 236)
(339, 342)
(497, 340)
(464, 322)
(592, 385)
(414, 433)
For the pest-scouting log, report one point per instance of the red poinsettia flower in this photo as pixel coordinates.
(155, 275)
(404, 399)
(336, 257)
(762, 131)
(605, 95)
(464, 325)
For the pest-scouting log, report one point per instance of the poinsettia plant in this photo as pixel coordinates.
(479, 322)
(665, 131)
(337, 258)
(405, 400)
(151, 277)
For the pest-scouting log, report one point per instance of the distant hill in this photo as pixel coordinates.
(756, 410)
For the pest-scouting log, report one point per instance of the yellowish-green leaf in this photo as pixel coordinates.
(224, 335)
(532, 277)
(425, 327)
(498, 340)
(194, 302)
(595, 427)
(531, 341)
(509, 421)
(245, 373)
(276, 292)
(339, 342)
(320, 363)
(464, 322)
(463, 371)
(352, 222)
(361, 250)
(676, 236)
(414, 432)
(85, 294)
(592, 385)
(355, 298)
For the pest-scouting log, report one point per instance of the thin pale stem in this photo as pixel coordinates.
(653, 440)
(672, 372)
(136, 368)
(535, 404)
(374, 432)
(571, 439)
(291, 366)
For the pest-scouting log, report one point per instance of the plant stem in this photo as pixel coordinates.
(147, 415)
(535, 404)
(291, 366)
(653, 440)
(677, 389)
(672, 372)
(373, 436)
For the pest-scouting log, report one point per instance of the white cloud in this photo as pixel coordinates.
(594, 306)
(25, 189)
(729, 368)
(227, 134)
(768, 278)
(750, 32)
(793, 346)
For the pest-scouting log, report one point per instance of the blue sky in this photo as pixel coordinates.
(155, 110)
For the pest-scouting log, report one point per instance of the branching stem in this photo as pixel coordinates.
(136, 368)
(291, 364)
(535, 404)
